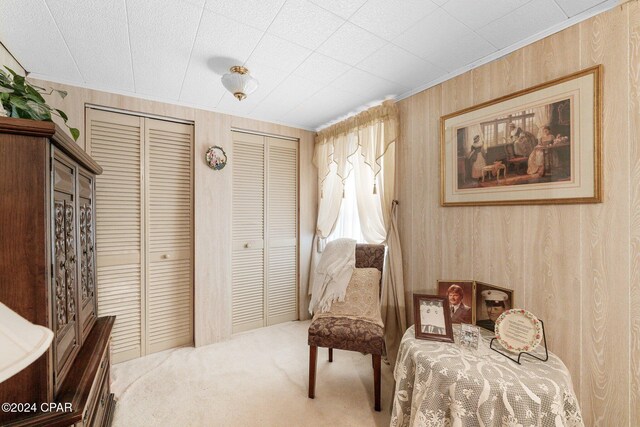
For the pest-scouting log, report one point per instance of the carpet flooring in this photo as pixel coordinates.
(257, 378)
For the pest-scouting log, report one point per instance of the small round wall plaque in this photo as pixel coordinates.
(216, 158)
(518, 330)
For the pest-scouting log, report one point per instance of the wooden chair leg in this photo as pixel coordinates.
(313, 355)
(330, 355)
(376, 380)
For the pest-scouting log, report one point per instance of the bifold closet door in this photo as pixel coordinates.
(116, 143)
(144, 230)
(265, 236)
(169, 235)
(282, 230)
(248, 232)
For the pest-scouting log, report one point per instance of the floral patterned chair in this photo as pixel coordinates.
(350, 334)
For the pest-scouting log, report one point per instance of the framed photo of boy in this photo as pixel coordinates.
(461, 299)
(491, 302)
(432, 318)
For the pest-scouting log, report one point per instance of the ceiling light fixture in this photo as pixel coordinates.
(239, 82)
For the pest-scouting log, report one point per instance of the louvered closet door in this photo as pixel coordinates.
(265, 231)
(116, 143)
(248, 232)
(144, 230)
(169, 234)
(282, 230)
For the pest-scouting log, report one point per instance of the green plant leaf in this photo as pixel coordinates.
(38, 108)
(62, 93)
(32, 98)
(13, 73)
(23, 114)
(19, 81)
(34, 95)
(18, 102)
(38, 88)
(62, 114)
(24, 100)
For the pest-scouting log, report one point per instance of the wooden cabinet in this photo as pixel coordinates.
(47, 271)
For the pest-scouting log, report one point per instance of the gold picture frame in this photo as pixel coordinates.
(463, 309)
(540, 145)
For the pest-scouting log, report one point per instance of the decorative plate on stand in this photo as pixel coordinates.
(518, 330)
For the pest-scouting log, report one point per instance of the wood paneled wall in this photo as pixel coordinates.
(212, 197)
(576, 266)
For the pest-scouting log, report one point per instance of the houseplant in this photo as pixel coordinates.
(23, 100)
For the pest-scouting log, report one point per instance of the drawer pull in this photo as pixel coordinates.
(102, 401)
(102, 363)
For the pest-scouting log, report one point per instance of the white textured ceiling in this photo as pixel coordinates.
(316, 60)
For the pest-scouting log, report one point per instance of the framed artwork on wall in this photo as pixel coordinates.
(461, 299)
(432, 318)
(541, 145)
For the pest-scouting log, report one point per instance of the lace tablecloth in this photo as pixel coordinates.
(444, 384)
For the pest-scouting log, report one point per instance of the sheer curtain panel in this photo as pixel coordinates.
(364, 145)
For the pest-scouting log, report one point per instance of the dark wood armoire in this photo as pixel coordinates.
(48, 274)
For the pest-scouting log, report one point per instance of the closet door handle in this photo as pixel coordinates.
(166, 256)
(247, 245)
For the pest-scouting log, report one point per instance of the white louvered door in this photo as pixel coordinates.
(144, 237)
(169, 219)
(117, 145)
(264, 258)
(282, 230)
(248, 232)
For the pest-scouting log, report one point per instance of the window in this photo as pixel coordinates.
(348, 224)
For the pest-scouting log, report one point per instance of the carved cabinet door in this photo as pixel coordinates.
(64, 283)
(87, 252)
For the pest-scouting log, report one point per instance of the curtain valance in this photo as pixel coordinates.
(369, 133)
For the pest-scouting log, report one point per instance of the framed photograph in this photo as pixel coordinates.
(460, 295)
(432, 318)
(469, 336)
(491, 302)
(541, 145)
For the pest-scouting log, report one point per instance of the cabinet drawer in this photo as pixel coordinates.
(102, 402)
(100, 381)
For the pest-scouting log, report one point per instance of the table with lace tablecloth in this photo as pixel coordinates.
(445, 384)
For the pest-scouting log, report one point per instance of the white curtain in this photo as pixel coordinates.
(541, 117)
(365, 145)
(348, 223)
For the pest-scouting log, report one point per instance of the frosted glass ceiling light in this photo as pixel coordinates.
(239, 82)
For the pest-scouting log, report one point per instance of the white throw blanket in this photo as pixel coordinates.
(332, 274)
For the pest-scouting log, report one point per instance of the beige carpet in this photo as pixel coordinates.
(258, 378)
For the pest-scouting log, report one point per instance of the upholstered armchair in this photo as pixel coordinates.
(350, 334)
